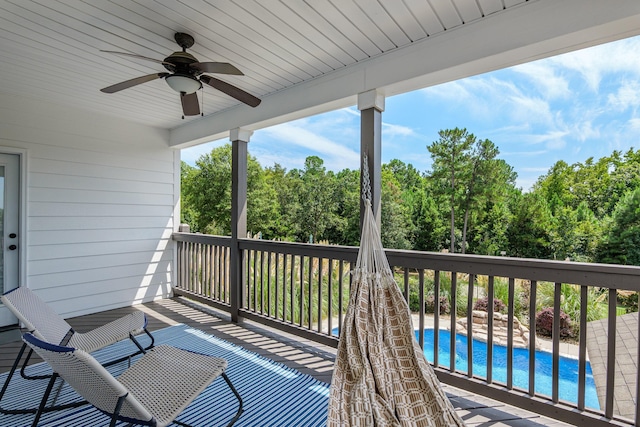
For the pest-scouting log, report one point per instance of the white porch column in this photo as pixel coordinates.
(239, 141)
(371, 106)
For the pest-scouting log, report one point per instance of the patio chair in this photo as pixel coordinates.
(41, 320)
(152, 392)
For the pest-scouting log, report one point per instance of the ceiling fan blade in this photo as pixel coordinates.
(190, 105)
(133, 55)
(231, 90)
(216, 67)
(133, 82)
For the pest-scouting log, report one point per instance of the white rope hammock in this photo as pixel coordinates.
(381, 377)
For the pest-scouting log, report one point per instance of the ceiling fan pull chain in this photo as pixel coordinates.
(202, 101)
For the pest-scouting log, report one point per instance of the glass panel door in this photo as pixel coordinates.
(9, 229)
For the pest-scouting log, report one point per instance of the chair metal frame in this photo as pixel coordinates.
(85, 374)
(31, 326)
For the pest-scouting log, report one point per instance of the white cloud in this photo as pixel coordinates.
(390, 130)
(547, 138)
(593, 63)
(528, 109)
(524, 153)
(585, 130)
(627, 96)
(545, 77)
(297, 134)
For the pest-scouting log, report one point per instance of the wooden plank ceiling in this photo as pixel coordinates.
(51, 50)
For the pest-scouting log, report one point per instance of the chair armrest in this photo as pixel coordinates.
(108, 334)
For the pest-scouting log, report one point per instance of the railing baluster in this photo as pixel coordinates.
(284, 288)
(320, 262)
(292, 287)
(470, 326)
(510, 311)
(436, 316)
(215, 279)
(582, 349)
(269, 256)
(309, 294)
(532, 343)
(421, 309)
(490, 297)
(226, 274)
(301, 293)
(340, 294)
(276, 294)
(452, 338)
(330, 297)
(555, 336)
(406, 284)
(262, 282)
(611, 354)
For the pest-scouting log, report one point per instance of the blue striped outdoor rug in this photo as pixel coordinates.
(273, 394)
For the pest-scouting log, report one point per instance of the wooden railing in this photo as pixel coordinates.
(304, 289)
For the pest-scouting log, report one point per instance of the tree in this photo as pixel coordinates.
(622, 242)
(528, 231)
(207, 194)
(555, 186)
(318, 204)
(409, 185)
(393, 214)
(286, 196)
(187, 213)
(346, 231)
(484, 176)
(451, 161)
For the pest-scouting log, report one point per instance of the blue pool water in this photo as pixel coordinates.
(567, 383)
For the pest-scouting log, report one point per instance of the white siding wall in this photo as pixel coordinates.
(101, 198)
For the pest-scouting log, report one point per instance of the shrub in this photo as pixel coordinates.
(482, 304)
(430, 305)
(544, 323)
(629, 300)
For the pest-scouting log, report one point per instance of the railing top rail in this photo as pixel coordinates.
(347, 253)
(593, 274)
(601, 275)
(206, 239)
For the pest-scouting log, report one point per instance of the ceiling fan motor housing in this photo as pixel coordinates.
(179, 62)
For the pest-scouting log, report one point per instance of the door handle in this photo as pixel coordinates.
(12, 247)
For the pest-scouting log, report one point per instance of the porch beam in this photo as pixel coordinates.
(371, 106)
(239, 142)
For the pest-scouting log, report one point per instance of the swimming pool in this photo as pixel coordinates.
(567, 383)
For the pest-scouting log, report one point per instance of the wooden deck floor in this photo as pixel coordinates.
(305, 356)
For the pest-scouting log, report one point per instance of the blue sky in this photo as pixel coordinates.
(570, 107)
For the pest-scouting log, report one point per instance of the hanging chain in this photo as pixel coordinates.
(366, 183)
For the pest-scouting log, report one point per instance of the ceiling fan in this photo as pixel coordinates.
(186, 75)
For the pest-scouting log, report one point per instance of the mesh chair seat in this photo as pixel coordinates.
(44, 323)
(153, 391)
(167, 379)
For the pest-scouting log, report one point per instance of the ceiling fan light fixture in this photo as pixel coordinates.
(183, 83)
